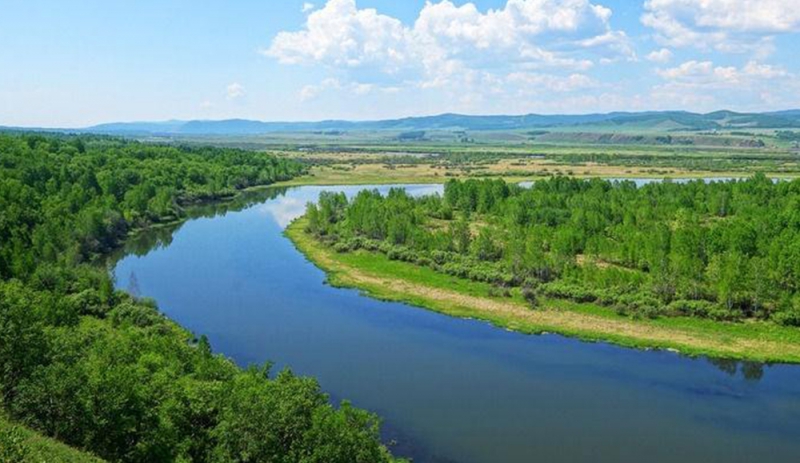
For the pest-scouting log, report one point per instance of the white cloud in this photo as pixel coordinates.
(723, 25)
(448, 43)
(341, 35)
(536, 55)
(234, 91)
(307, 7)
(704, 73)
(543, 83)
(660, 56)
(702, 84)
(310, 92)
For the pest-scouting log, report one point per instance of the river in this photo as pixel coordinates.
(452, 390)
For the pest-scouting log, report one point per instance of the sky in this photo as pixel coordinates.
(69, 63)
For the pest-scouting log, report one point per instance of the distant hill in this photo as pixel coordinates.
(654, 120)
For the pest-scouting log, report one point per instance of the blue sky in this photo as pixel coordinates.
(75, 63)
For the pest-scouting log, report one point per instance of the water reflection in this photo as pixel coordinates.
(161, 236)
(750, 371)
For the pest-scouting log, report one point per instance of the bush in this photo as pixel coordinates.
(499, 291)
(790, 317)
(684, 308)
(440, 257)
(723, 314)
(12, 445)
(573, 292)
(137, 314)
(639, 305)
(531, 296)
(341, 247)
(424, 261)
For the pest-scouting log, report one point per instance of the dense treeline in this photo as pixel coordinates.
(103, 371)
(720, 250)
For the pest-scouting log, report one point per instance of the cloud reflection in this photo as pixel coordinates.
(283, 210)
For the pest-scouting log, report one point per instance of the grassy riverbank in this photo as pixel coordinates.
(382, 278)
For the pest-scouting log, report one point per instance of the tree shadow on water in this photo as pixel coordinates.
(750, 371)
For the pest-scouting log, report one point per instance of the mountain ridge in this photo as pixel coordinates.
(672, 120)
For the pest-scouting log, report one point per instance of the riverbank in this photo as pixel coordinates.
(379, 277)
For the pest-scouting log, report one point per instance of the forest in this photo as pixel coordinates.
(725, 251)
(105, 371)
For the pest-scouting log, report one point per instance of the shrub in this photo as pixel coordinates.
(563, 290)
(12, 445)
(136, 314)
(531, 296)
(684, 308)
(499, 291)
(789, 317)
(723, 314)
(639, 305)
(341, 247)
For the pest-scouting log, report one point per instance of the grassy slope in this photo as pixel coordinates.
(38, 448)
(382, 278)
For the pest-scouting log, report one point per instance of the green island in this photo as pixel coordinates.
(702, 268)
(103, 371)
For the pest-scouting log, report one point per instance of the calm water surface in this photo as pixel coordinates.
(453, 390)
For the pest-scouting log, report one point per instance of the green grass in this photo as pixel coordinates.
(753, 340)
(22, 445)
(379, 264)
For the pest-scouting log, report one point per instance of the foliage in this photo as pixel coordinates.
(12, 446)
(719, 250)
(101, 370)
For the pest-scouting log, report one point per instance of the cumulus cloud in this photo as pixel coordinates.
(307, 7)
(449, 44)
(341, 35)
(234, 91)
(702, 84)
(539, 55)
(723, 25)
(704, 73)
(660, 56)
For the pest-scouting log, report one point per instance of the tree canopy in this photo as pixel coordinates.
(104, 371)
(721, 250)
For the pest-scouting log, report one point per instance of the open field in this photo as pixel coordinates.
(380, 277)
(511, 170)
(380, 161)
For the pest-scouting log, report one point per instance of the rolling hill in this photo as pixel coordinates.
(666, 121)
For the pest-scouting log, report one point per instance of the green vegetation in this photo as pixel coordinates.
(705, 259)
(606, 155)
(21, 445)
(103, 371)
(395, 280)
